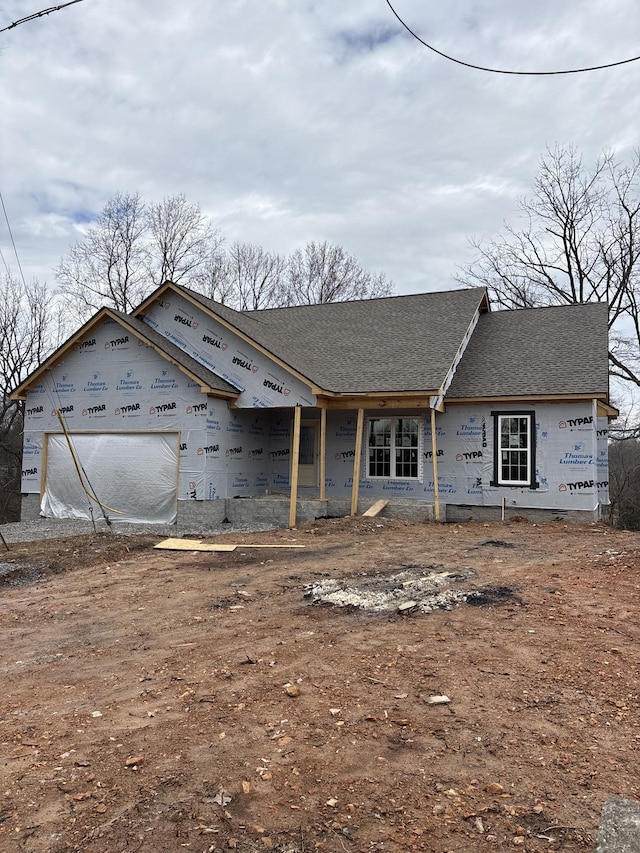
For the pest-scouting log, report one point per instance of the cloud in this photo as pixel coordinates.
(289, 122)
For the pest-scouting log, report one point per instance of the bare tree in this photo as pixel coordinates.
(181, 241)
(29, 329)
(213, 280)
(254, 277)
(110, 265)
(134, 247)
(580, 242)
(322, 272)
(249, 278)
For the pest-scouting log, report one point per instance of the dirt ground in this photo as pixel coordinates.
(162, 700)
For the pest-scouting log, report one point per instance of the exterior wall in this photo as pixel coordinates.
(262, 383)
(568, 465)
(571, 459)
(112, 382)
(602, 466)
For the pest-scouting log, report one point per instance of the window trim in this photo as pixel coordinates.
(497, 481)
(392, 447)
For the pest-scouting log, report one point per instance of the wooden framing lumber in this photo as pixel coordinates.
(356, 462)
(295, 463)
(434, 457)
(323, 453)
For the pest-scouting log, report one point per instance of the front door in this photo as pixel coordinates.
(308, 463)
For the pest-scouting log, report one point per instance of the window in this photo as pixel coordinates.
(393, 445)
(514, 449)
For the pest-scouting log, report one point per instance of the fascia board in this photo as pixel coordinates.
(525, 398)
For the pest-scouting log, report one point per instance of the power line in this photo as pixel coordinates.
(6, 265)
(13, 242)
(502, 70)
(39, 15)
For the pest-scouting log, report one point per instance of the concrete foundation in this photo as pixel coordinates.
(460, 513)
(273, 510)
(30, 508)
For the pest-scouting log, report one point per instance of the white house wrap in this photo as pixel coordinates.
(188, 401)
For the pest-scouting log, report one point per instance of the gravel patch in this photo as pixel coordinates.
(56, 528)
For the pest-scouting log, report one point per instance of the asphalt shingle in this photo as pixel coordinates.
(537, 351)
(398, 343)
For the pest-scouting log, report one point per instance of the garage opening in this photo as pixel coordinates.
(135, 475)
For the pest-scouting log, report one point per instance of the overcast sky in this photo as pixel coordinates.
(310, 120)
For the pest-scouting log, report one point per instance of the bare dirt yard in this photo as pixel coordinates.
(294, 700)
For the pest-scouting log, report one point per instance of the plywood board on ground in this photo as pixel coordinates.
(192, 545)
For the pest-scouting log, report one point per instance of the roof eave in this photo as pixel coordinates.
(532, 398)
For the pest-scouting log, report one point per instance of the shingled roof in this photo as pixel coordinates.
(560, 350)
(393, 344)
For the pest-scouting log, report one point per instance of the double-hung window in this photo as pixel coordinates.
(393, 448)
(514, 449)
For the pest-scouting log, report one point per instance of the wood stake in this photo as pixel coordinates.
(295, 462)
(356, 463)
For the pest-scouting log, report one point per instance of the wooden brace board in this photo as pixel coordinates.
(375, 509)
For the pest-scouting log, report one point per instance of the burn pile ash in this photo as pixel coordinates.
(493, 595)
(403, 591)
(407, 591)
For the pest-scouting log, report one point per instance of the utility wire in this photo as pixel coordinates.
(13, 243)
(39, 15)
(502, 70)
(6, 265)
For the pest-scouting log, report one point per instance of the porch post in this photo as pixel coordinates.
(297, 417)
(434, 458)
(323, 452)
(356, 463)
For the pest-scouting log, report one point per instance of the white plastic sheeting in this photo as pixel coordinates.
(135, 474)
